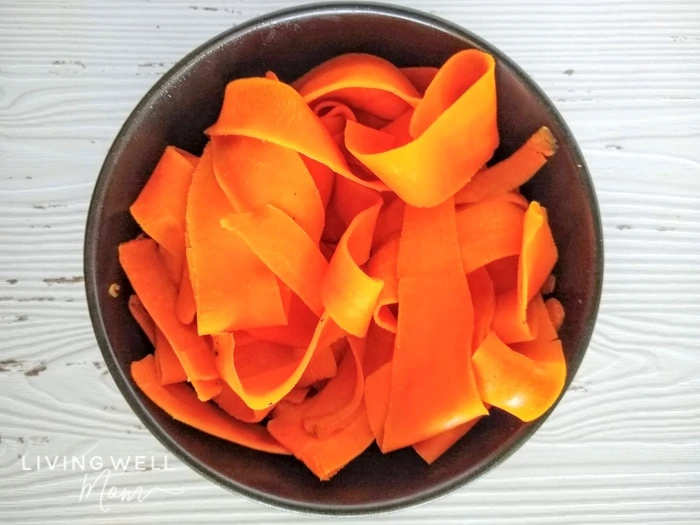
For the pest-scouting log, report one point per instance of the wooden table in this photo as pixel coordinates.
(622, 447)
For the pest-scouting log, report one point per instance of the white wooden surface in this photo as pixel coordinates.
(623, 446)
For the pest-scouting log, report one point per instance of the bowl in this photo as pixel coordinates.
(187, 100)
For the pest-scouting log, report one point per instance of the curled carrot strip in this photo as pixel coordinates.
(263, 391)
(142, 264)
(228, 365)
(465, 77)
(331, 110)
(382, 266)
(435, 312)
(430, 169)
(489, 230)
(524, 381)
(330, 429)
(253, 298)
(349, 294)
(341, 397)
(374, 106)
(366, 82)
(333, 116)
(285, 248)
(160, 207)
(512, 172)
(324, 457)
(254, 173)
(250, 109)
(180, 402)
(513, 318)
(538, 254)
(451, 405)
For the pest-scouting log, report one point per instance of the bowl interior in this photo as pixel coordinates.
(188, 99)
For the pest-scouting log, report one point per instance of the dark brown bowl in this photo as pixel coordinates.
(187, 100)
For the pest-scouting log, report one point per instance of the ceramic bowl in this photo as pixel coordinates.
(187, 100)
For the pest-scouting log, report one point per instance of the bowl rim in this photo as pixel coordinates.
(104, 180)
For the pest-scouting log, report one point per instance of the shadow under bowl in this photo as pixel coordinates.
(188, 99)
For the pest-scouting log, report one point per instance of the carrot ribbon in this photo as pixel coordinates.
(216, 256)
(181, 403)
(160, 207)
(429, 169)
(144, 268)
(526, 378)
(434, 312)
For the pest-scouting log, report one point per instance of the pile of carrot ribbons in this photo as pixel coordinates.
(343, 265)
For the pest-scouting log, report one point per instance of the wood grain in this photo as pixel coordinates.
(622, 447)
